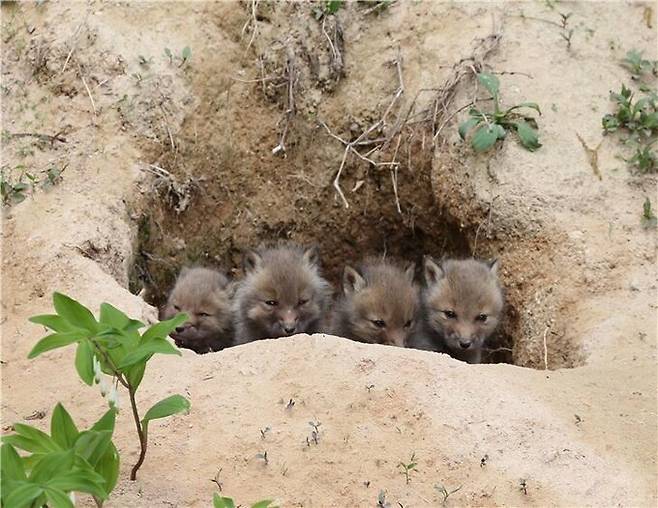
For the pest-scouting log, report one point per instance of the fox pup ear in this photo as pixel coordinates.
(312, 256)
(433, 272)
(493, 266)
(410, 272)
(353, 282)
(251, 262)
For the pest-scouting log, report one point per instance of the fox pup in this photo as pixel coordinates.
(463, 302)
(205, 296)
(380, 304)
(282, 294)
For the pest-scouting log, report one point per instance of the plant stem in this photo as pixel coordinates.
(140, 433)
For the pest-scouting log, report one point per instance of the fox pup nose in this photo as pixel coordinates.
(465, 344)
(289, 328)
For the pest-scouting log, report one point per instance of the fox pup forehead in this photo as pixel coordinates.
(463, 286)
(199, 287)
(285, 274)
(382, 291)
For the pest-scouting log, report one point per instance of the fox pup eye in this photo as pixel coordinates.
(407, 324)
(271, 303)
(450, 314)
(302, 301)
(482, 318)
(203, 314)
(176, 308)
(378, 323)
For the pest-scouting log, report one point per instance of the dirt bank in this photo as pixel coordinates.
(579, 269)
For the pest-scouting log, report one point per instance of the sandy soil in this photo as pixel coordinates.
(579, 270)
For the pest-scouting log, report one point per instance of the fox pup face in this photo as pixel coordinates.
(283, 292)
(204, 295)
(464, 301)
(381, 304)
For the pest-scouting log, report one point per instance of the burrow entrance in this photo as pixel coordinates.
(222, 186)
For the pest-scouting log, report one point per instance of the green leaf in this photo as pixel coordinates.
(332, 6)
(79, 481)
(74, 312)
(162, 329)
(51, 465)
(106, 422)
(108, 467)
(187, 53)
(23, 495)
(146, 350)
(84, 362)
(91, 445)
(490, 82)
(112, 316)
(262, 504)
(53, 321)
(485, 136)
(222, 502)
(528, 136)
(167, 407)
(135, 374)
(466, 126)
(54, 341)
(532, 105)
(12, 465)
(58, 498)
(43, 441)
(62, 428)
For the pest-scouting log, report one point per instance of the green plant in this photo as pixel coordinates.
(59, 464)
(492, 126)
(444, 492)
(112, 345)
(329, 7)
(649, 219)
(634, 62)
(185, 56)
(407, 468)
(226, 502)
(639, 117)
(644, 159)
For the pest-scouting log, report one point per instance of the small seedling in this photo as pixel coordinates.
(112, 345)
(523, 486)
(56, 465)
(186, 54)
(369, 387)
(649, 219)
(291, 404)
(644, 159)
(53, 176)
(638, 65)
(381, 500)
(227, 502)
(445, 493)
(263, 432)
(263, 457)
(407, 468)
(639, 117)
(169, 55)
(492, 126)
(329, 7)
(483, 460)
(143, 61)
